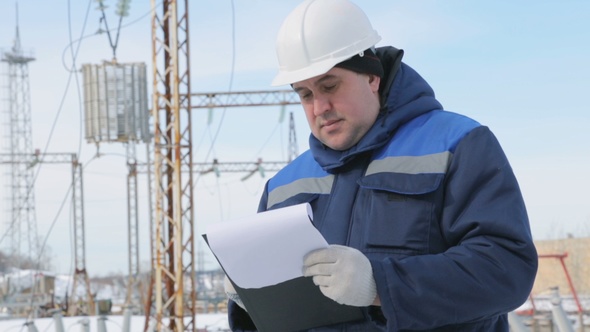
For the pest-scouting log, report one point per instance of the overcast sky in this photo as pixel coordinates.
(519, 67)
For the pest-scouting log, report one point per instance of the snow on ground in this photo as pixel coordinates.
(16, 281)
(204, 322)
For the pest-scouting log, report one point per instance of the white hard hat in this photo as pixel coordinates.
(317, 35)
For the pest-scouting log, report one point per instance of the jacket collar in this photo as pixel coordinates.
(405, 95)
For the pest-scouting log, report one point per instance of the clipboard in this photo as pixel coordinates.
(295, 303)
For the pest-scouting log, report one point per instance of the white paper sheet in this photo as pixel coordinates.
(266, 248)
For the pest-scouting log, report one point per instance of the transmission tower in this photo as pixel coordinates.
(77, 304)
(173, 263)
(174, 284)
(22, 223)
(21, 160)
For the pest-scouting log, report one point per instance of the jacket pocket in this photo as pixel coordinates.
(401, 211)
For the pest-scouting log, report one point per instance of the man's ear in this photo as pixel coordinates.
(374, 82)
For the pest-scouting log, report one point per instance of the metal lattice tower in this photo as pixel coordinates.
(173, 293)
(22, 223)
(174, 282)
(78, 304)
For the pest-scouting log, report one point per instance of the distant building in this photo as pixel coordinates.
(575, 254)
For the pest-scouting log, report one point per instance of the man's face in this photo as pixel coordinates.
(340, 106)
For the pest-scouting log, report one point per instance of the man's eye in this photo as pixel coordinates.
(305, 96)
(329, 87)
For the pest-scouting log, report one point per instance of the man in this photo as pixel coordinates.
(426, 223)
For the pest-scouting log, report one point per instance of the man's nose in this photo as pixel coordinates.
(321, 105)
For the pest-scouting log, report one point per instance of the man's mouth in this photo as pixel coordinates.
(330, 123)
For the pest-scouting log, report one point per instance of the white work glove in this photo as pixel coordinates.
(231, 293)
(343, 274)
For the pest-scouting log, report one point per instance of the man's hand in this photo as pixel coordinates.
(343, 274)
(231, 293)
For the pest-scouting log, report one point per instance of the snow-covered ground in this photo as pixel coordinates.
(16, 281)
(204, 322)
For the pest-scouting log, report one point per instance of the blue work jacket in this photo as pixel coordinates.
(430, 198)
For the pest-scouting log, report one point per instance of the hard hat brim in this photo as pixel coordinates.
(285, 77)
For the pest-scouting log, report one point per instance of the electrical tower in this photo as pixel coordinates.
(174, 284)
(77, 304)
(22, 223)
(173, 262)
(21, 160)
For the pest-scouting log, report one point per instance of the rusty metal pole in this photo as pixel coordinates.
(174, 239)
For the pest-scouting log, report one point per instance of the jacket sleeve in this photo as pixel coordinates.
(239, 320)
(491, 262)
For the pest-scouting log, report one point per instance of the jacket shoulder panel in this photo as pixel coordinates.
(434, 132)
(417, 158)
(302, 176)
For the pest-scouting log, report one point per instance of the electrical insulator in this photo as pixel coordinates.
(123, 8)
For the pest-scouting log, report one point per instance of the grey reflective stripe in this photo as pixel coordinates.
(321, 185)
(430, 163)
